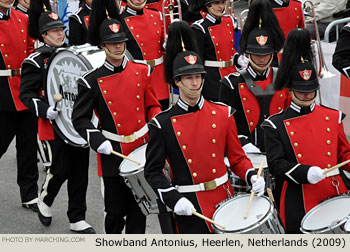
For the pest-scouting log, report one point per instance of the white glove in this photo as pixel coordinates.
(51, 113)
(315, 175)
(184, 207)
(251, 148)
(243, 61)
(105, 148)
(258, 185)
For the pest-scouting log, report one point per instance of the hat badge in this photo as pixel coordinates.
(53, 16)
(114, 27)
(306, 74)
(261, 40)
(191, 59)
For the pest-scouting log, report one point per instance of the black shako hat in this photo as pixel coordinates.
(49, 20)
(304, 78)
(112, 31)
(259, 42)
(187, 62)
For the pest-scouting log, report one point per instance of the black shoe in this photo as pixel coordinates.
(33, 207)
(89, 230)
(46, 221)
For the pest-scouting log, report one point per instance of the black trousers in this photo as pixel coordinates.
(120, 203)
(23, 125)
(72, 164)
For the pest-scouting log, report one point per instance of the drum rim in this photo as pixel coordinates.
(323, 229)
(125, 174)
(249, 228)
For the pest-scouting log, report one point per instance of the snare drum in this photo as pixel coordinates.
(328, 217)
(262, 217)
(63, 72)
(135, 179)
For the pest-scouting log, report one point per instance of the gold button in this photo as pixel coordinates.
(295, 9)
(141, 44)
(110, 103)
(19, 20)
(327, 118)
(217, 44)
(329, 166)
(178, 133)
(230, 32)
(127, 20)
(137, 73)
(213, 125)
(292, 133)
(296, 144)
(242, 86)
(158, 41)
(287, 123)
(329, 154)
(101, 81)
(139, 121)
(328, 130)
(22, 31)
(232, 49)
(228, 25)
(279, 108)
(8, 66)
(137, 109)
(118, 125)
(210, 29)
(248, 110)
(328, 141)
(220, 59)
(144, 54)
(190, 162)
(213, 112)
(138, 97)
(299, 155)
(157, 32)
(155, 23)
(138, 85)
(213, 140)
(213, 155)
(2, 45)
(151, 15)
(244, 99)
(251, 123)
(25, 51)
(194, 174)
(232, 40)
(132, 28)
(297, 17)
(24, 41)
(213, 37)
(137, 36)
(218, 52)
(214, 170)
(184, 147)
(105, 91)
(281, 95)
(114, 113)
(174, 120)
(6, 55)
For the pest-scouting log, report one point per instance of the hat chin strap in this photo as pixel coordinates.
(215, 13)
(251, 61)
(54, 42)
(136, 7)
(115, 56)
(189, 91)
(300, 102)
(7, 6)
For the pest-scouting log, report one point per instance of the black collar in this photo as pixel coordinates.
(185, 106)
(115, 69)
(212, 19)
(256, 76)
(22, 8)
(302, 110)
(279, 4)
(134, 12)
(5, 16)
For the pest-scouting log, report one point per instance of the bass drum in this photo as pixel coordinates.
(64, 70)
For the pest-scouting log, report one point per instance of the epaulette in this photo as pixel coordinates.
(76, 16)
(82, 80)
(231, 110)
(341, 116)
(268, 122)
(198, 25)
(32, 59)
(155, 122)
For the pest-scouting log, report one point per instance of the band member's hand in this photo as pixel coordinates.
(243, 61)
(105, 148)
(258, 185)
(51, 113)
(315, 175)
(184, 207)
(251, 148)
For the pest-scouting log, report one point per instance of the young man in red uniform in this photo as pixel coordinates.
(215, 36)
(145, 32)
(121, 94)
(250, 91)
(301, 142)
(194, 136)
(17, 120)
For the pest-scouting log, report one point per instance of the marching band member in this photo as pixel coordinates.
(68, 162)
(144, 29)
(79, 23)
(289, 14)
(216, 40)
(17, 120)
(199, 179)
(341, 56)
(121, 94)
(304, 139)
(250, 91)
(23, 6)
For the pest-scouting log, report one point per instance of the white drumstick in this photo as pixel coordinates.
(125, 157)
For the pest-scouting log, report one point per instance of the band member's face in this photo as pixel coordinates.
(192, 81)
(57, 34)
(116, 48)
(138, 2)
(6, 3)
(261, 60)
(304, 97)
(218, 7)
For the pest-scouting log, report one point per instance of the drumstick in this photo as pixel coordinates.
(335, 167)
(57, 98)
(252, 193)
(125, 157)
(207, 219)
(269, 193)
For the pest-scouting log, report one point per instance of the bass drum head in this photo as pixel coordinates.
(327, 215)
(64, 70)
(128, 167)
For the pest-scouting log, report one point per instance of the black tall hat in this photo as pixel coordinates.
(201, 4)
(259, 42)
(261, 16)
(304, 78)
(99, 30)
(41, 18)
(180, 44)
